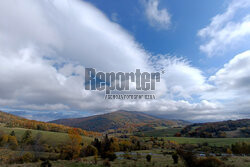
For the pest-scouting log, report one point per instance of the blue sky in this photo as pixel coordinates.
(203, 46)
(181, 39)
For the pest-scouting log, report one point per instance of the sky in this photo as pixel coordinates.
(202, 46)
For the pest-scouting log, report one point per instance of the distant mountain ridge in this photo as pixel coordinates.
(116, 120)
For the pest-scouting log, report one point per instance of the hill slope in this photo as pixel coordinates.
(12, 121)
(236, 128)
(116, 120)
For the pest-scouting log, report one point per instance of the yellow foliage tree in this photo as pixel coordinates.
(13, 142)
(75, 142)
(4, 139)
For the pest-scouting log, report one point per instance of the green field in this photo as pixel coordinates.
(210, 141)
(158, 160)
(161, 132)
(51, 138)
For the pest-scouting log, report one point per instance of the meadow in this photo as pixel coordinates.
(161, 132)
(51, 138)
(161, 154)
(158, 160)
(211, 141)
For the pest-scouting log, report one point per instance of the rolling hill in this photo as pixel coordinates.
(117, 120)
(11, 121)
(230, 128)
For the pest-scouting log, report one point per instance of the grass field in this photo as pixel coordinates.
(210, 141)
(51, 138)
(157, 161)
(162, 132)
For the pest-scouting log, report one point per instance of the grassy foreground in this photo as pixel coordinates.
(210, 141)
(158, 160)
(51, 138)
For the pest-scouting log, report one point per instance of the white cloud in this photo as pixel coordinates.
(181, 79)
(231, 87)
(227, 31)
(159, 18)
(232, 81)
(46, 45)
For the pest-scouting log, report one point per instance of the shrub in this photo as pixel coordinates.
(66, 153)
(46, 163)
(175, 158)
(106, 163)
(13, 142)
(27, 157)
(27, 137)
(111, 156)
(12, 133)
(209, 162)
(191, 160)
(188, 157)
(3, 139)
(89, 151)
(148, 158)
(241, 148)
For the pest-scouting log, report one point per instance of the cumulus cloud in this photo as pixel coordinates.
(43, 60)
(72, 29)
(231, 87)
(181, 79)
(159, 18)
(45, 46)
(230, 29)
(232, 81)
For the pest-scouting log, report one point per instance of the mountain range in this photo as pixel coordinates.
(118, 120)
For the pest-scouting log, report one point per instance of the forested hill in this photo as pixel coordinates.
(117, 120)
(10, 120)
(237, 128)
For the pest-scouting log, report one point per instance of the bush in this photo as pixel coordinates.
(111, 156)
(66, 153)
(188, 157)
(13, 142)
(175, 158)
(191, 160)
(3, 139)
(241, 148)
(27, 137)
(148, 158)
(46, 163)
(209, 162)
(27, 157)
(106, 163)
(89, 151)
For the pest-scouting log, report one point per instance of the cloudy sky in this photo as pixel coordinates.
(203, 47)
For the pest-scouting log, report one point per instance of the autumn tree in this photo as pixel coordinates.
(3, 139)
(90, 150)
(12, 141)
(73, 148)
(27, 137)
